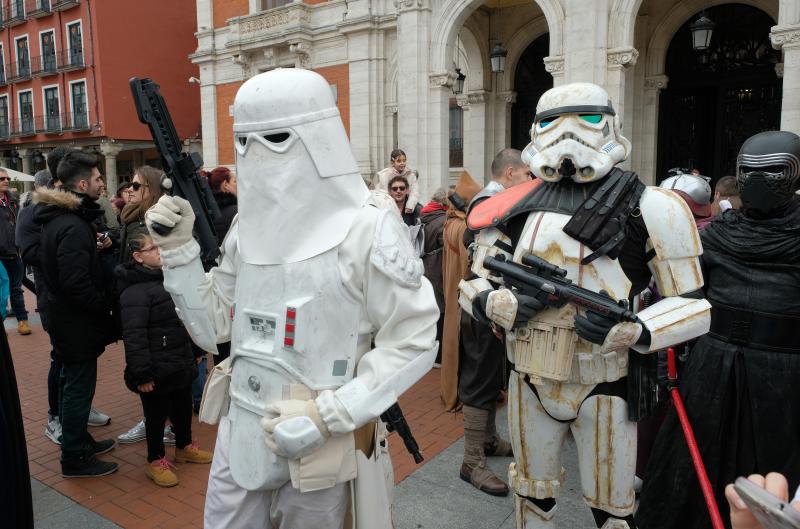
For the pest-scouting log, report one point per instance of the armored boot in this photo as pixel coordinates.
(474, 469)
(494, 444)
(535, 514)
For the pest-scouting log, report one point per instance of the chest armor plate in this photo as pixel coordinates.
(295, 333)
(548, 347)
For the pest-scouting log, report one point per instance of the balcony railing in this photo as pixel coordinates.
(61, 5)
(70, 60)
(51, 124)
(14, 13)
(38, 8)
(44, 65)
(18, 71)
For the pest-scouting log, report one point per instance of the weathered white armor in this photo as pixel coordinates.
(556, 371)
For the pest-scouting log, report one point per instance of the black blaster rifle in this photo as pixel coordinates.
(182, 178)
(548, 283)
(396, 422)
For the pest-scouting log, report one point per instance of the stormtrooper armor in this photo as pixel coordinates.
(561, 382)
(312, 272)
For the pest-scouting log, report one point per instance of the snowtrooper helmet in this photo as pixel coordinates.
(576, 134)
(768, 172)
(299, 184)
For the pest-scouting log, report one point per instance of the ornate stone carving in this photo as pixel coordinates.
(441, 80)
(256, 27)
(781, 36)
(302, 49)
(656, 82)
(507, 97)
(554, 64)
(624, 57)
(477, 98)
(269, 57)
(407, 5)
(390, 109)
(462, 101)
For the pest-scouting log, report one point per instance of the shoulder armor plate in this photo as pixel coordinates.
(494, 210)
(392, 252)
(670, 224)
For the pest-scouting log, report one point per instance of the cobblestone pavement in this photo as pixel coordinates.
(428, 496)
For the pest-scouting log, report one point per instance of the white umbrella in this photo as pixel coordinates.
(17, 175)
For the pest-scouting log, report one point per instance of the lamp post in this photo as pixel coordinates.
(701, 29)
(497, 58)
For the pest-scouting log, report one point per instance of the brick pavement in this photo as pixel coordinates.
(127, 497)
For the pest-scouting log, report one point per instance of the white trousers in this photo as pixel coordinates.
(229, 506)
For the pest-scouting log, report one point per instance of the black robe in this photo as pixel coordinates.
(15, 486)
(743, 402)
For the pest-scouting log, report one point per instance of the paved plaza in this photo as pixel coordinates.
(427, 496)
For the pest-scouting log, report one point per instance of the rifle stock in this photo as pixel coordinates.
(181, 169)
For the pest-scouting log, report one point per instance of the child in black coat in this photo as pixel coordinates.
(160, 365)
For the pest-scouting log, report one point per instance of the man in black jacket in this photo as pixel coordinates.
(9, 256)
(79, 302)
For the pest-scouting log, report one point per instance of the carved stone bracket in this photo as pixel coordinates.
(302, 49)
(462, 101)
(441, 80)
(554, 65)
(508, 97)
(410, 5)
(623, 57)
(270, 60)
(477, 98)
(782, 36)
(390, 109)
(656, 82)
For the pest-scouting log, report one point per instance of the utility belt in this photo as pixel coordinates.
(760, 330)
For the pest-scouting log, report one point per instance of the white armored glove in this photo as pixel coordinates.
(298, 429)
(174, 214)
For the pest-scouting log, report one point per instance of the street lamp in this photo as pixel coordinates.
(458, 85)
(497, 58)
(701, 29)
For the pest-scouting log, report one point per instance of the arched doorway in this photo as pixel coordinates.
(718, 98)
(531, 80)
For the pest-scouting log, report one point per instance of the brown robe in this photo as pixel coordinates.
(454, 269)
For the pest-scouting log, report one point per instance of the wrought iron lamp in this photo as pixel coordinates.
(458, 84)
(497, 58)
(701, 29)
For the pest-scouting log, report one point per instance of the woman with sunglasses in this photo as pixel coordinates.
(399, 167)
(144, 191)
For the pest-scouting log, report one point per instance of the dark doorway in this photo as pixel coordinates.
(718, 98)
(530, 82)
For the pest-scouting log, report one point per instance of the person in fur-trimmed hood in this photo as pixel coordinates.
(80, 303)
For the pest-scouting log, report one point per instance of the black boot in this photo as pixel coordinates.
(87, 467)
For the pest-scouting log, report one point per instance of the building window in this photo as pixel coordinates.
(26, 112)
(80, 116)
(4, 117)
(48, 47)
(2, 69)
(52, 116)
(75, 45)
(269, 4)
(17, 9)
(456, 135)
(23, 59)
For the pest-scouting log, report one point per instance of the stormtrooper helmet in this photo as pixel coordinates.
(768, 172)
(576, 134)
(299, 184)
(694, 189)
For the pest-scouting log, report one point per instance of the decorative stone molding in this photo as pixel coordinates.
(656, 82)
(260, 26)
(478, 98)
(508, 97)
(623, 57)
(302, 49)
(781, 36)
(462, 101)
(390, 109)
(410, 5)
(441, 80)
(240, 59)
(270, 61)
(554, 65)
(110, 148)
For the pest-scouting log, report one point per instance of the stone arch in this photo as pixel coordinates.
(473, 54)
(622, 23)
(667, 27)
(453, 13)
(517, 45)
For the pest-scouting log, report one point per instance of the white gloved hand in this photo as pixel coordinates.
(174, 213)
(296, 429)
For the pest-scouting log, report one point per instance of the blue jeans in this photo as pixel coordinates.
(15, 271)
(200, 382)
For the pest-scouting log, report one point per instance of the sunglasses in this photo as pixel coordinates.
(136, 186)
(399, 188)
(5, 178)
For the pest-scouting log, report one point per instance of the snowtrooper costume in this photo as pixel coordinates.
(311, 273)
(570, 365)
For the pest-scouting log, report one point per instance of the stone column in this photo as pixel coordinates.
(787, 38)
(110, 151)
(27, 166)
(585, 38)
(476, 141)
(648, 142)
(438, 134)
(620, 66)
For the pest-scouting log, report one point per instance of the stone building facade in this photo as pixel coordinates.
(393, 65)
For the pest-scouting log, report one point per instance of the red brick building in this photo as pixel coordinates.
(64, 71)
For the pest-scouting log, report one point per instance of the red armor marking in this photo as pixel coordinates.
(493, 209)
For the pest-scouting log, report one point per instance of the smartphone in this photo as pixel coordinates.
(771, 512)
